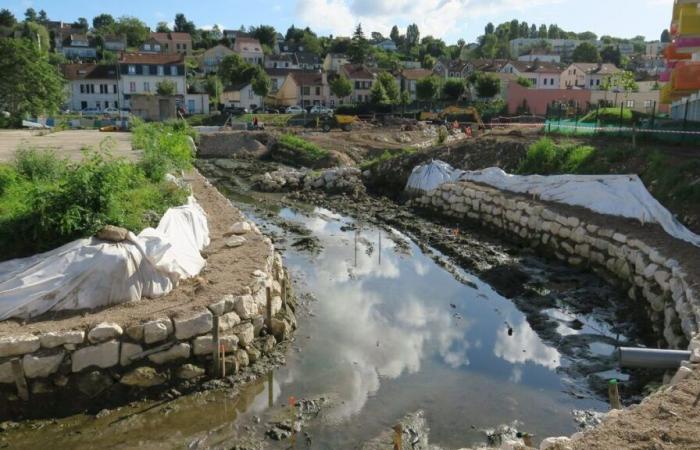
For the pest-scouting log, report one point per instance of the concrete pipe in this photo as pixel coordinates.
(651, 358)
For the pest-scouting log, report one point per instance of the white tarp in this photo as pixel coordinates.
(426, 177)
(91, 273)
(617, 195)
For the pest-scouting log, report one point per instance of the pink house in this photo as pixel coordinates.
(537, 100)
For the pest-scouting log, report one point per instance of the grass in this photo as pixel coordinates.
(277, 120)
(609, 116)
(387, 155)
(545, 157)
(47, 201)
(304, 150)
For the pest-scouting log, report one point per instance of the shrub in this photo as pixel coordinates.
(442, 134)
(38, 165)
(165, 147)
(305, 151)
(387, 155)
(541, 158)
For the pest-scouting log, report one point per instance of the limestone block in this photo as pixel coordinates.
(180, 350)
(556, 443)
(157, 330)
(619, 237)
(240, 228)
(229, 320)
(135, 332)
(245, 332)
(18, 344)
(54, 339)
(104, 332)
(143, 377)
(41, 366)
(103, 355)
(187, 327)
(127, 351)
(204, 345)
(6, 374)
(245, 306)
(189, 372)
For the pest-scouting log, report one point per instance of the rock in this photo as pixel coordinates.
(239, 228)
(695, 356)
(103, 356)
(245, 333)
(235, 241)
(157, 330)
(61, 380)
(143, 377)
(94, 383)
(189, 372)
(54, 339)
(276, 305)
(112, 234)
(18, 344)
(245, 306)
(6, 376)
(188, 327)
(556, 443)
(253, 354)
(681, 374)
(128, 350)
(258, 324)
(104, 331)
(41, 366)
(242, 358)
(268, 344)
(41, 387)
(222, 306)
(228, 321)
(204, 345)
(177, 351)
(135, 332)
(280, 329)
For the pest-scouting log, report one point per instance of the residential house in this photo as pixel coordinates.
(141, 73)
(303, 88)
(387, 45)
(241, 95)
(209, 60)
(277, 77)
(77, 46)
(542, 75)
(114, 43)
(282, 61)
(563, 47)
(334, 61)
(249, 49)
(308, 60)
(361, 78)
(411, 64)
(587, 75)
(289, 46)
(408, 78)
(151, 45)
(542, 57)
(654, 49)
(232, 35)
(61, 34)
(174, 42)
(463, 69)
(91, 86)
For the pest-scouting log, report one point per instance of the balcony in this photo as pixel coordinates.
(672, 54)
(686, 76)
(687, 20)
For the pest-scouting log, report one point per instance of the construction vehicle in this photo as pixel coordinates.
(327, 122)
(450, 114)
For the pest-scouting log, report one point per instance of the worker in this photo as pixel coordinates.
(255, 122)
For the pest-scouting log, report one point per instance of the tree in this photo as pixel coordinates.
(261, 83)
(266, 34)
(163, 27)
(487, 85)
(623, 80)
(136, 32)
(611, 55)
(533, 32)
(377, 95)
(586, 52)
(395, 35)
(412, 36)
(37, 35)
(42, 17)
(29, 85)
(389, 85)
(166, 87)
(30, 15)
(489, 28)
(428, 62)
(404, 99)
(665, 36)
(182, 25)
(587, 36)
(514, 30)
(341, 87)
(311, 43)
(427, 88)
(103, 21)
(214, 87)
(376, 36)
(81, 24)
(524, 82)
(234, 70)
(453, 88)
(359, 47)
(7, 19)
(542, 33)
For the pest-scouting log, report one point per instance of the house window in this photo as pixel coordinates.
(332, 103)
(551, 81)
(597, 82)
(106, 104)
(629, 104)
(357, 85)
(545, 82)
(184, 46)
(250, 93)
(82, 88)
(146, 86)
(161, 71)
(147, 47)
(132, 86)
(83, 105)
(591, 83)
(157, 47)
(306, 90)
(177, 46)
(92, 88)
(318, 90)
(173, 71)
(146, 70)
(647, 103)
(114, 89)
(132, 69)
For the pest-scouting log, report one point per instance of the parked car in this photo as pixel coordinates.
(295, 110)
(234, 110)
(110, 111)
(318, 109)
(90, 112)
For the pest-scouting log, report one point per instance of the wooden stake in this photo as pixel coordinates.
(20, 381)
(269, 308)
(614, 395)
(398, 429)
(284, 292)
(216, 343)
(223, 361)
(270, 396)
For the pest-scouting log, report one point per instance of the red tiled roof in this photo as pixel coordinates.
(89, 71)
(174, 36)
(356, 72)
(151, 58)
(247, 44)
(307, 78)
(416, 74)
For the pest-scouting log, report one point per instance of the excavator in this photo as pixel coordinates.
(463, 115)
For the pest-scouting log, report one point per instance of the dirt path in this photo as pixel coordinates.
(67, 143)
(228, 270)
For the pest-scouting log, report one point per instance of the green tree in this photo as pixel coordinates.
(533, 32)
(29, 85)
(42, 17)
(378, 96)
(261, 84)
(623, 80)
(214, 87)
(542, 33)
(163, 27)
(166, 87)
(524, 82)
(412, 36)
(428, 62)
(234, 70)
(311, 42)
(182, 25)
(611, 54)
(489, 29)
(586, 52)
(427, 88)
(81, 24)
(30, 15)
(136, 31)
(395, 35)
(487, 85)
(103, 21)
(341, 86)
(390, 86)
(404, 100)
(665, 36)
(37, 35)
(266, 34)
(359, 47)
(7, 19)
(514, 30)
(587, 36)
(453, 88)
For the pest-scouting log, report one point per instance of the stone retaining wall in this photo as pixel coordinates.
(649, 275)
(154, 352)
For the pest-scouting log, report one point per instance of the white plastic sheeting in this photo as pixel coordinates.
(616, 195)
(91, 273)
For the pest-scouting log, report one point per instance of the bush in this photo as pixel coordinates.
(387, 155)
(165, 147)
(545, 157)
(38, 165)
(609, 116)
(306, 152)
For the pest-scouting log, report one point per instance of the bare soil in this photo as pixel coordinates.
(228, 271)
(66, 143)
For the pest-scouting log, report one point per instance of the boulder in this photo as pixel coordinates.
(245, 306)
(18, 344)
(135, 332)
(242, 358)
(235, 241)
(253, 354)
(681, 374)
(104, 332)
(281, 329)
(143, 377)
(41, 366)
(267, 344)
(157, 330)
(191, 326)
(204, 345)
(239, 228)
(228, 321)
(245, 333)
(112, 233)
(54, 339)
(6, 376)
(223, 306)
(556, 443)
(189, 372)
(93, 383)
(103, 356)
(177, 351)
(128, 350)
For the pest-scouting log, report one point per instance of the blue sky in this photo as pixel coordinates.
(448, 19)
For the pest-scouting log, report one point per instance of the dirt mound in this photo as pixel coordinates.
(233, 143)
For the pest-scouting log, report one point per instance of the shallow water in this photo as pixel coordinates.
(388, 332)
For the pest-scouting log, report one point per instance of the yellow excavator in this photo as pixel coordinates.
(467, 114)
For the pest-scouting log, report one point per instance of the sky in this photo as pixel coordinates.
(446, 19)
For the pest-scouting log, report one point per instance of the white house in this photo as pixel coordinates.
(282, 61)
(91, 86)
(249, 49)
(387, 45)
(141, 73)
(334, 61)
(77, 46)
(531, 57)
(241, 95)
(542, 75)
(587, 75)
(210, 59)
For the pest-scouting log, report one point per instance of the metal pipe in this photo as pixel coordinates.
(651, 358)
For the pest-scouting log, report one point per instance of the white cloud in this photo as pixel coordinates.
(440, 18)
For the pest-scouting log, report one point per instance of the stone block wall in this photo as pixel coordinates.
(649, 274)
